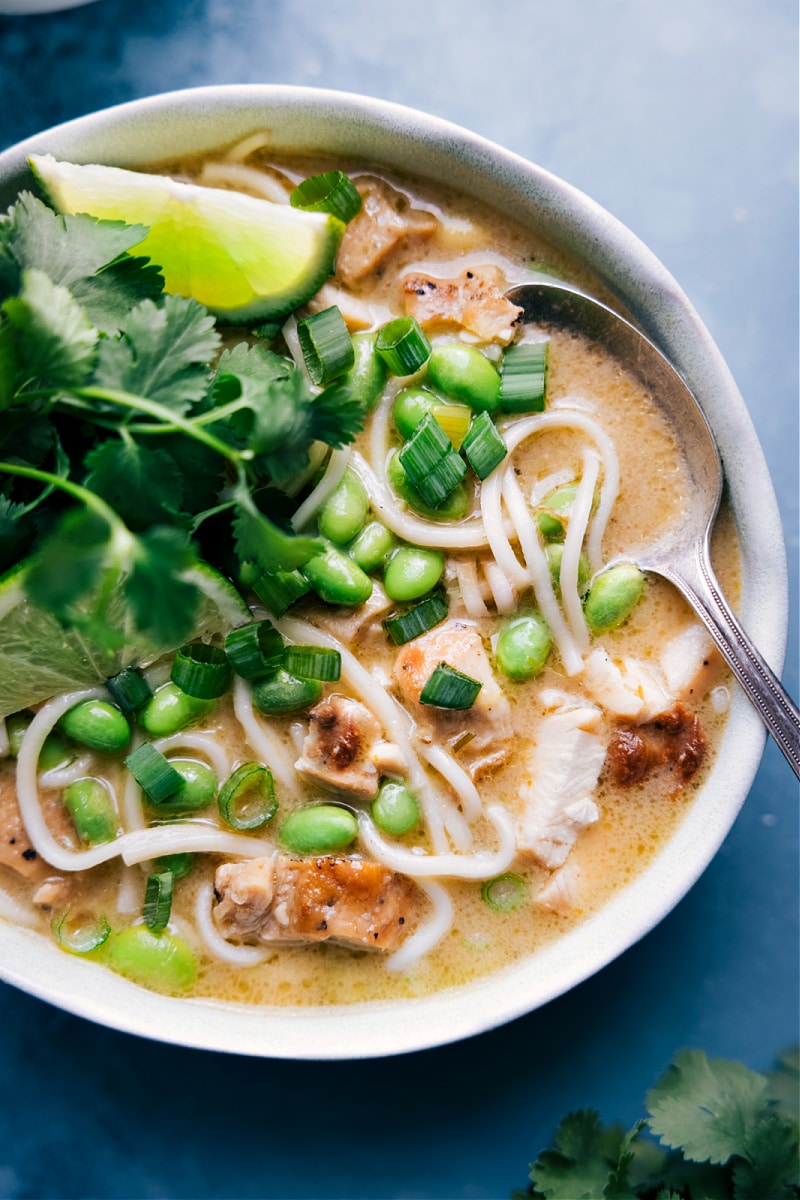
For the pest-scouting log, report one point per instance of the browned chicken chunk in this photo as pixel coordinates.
(344, 750)
(16, 848)
(482, 734)
(673, 742)
(386, 222)
(361, 904)
(475, 300)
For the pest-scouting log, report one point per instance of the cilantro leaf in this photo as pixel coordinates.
(578, 1167)
(69, 565)
(259, 540)
(162, 353)
(163, 604)
(770, 1169)
(109, 295)
(706, 1106)
(143, 485)
(337, 415)
(54, 340)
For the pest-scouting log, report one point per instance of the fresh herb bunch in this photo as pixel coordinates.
(728, 1134)
(127, 437)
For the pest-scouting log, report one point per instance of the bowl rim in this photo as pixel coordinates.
(431, 148)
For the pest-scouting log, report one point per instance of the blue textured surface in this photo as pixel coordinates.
(681, 119)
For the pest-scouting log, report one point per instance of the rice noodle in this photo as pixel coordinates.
(215, 943)
(187, 837)
(245, 179)
(470, 588)
(423, 940)
(129, 892)
(492, 508)
(505, 598)
(570, 559)
(201, 743)
(242, 149)
(458, 779)
(266, 743)
(132, 809)
(317, 454)
(59, 777)
(548, 483)
(482, 865)
(337, 465)
(4, 744)
(539, 573)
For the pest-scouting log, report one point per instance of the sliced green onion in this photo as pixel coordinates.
(430, 462)
(247, 799)
(403, 346)
(483, 446)
(506, 893)
(157, 778)
(331, 192)
(130, 689)
(419, 619)
(326, 345)
(80, 931)
(523, 377)
(449, 688)
(278, 590)
(254, 651)
(158, 900)
(312, 662)
(201, 671)
(454, 420)
(179, 864)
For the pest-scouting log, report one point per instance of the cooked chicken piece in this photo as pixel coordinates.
(386, 221)
(349, 624)
(344, 750)
(488, 721)
(674, 741)
(285, 899)
(16, 848)
(563, 770)
(626, 688)
(357, 313)
(475, 300)
(691, 663)
(562, 892)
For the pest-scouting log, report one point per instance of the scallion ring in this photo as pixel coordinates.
(80, 931)
(254, 651)
(278, 590)
(157, 778)
(247, 799)
(201, 671)
(130, 689)
(158, 900)
(313, 662)
(326, 344)
(419, 619)
(449, 688)
(483, 446)
(523, 378)
(331, 192)
(505, 893)
(403, 346)
(430, 462)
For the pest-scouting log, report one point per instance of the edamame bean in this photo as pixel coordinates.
(343, 514)
(523, 647)
(554, 508)
(613, 596)
(98, 725)
(411, 572)
(411, 405)
(89, 804)
(283, 693)
(54, 753)
(161, 961)
(555, 553)
(366, 378)
(395, 809)
(170, 710)
(453, 508)
(337, 579)
(372, 547)
(318, 829)
(465, 374)
(198, 789)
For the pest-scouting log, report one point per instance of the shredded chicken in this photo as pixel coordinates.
(16, 848)
(475, 300)
(387, 221)
(344, 750)
(487, 724)
(284, 900)
(562, 892)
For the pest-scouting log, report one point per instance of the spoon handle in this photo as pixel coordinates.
(696, 580)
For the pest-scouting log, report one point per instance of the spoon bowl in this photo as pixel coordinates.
(681, 555)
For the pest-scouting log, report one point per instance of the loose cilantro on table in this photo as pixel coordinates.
(725, 1133)
(127, 429)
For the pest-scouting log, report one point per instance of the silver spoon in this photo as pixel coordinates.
(682, 554)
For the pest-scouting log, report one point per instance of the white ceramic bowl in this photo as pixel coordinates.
(305, 119)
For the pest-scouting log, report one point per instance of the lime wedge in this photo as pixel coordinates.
(246, 259)
(39, 658)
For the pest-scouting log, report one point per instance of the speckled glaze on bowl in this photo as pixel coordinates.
(305, 119)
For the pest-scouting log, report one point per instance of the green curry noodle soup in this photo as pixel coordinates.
(324, 675)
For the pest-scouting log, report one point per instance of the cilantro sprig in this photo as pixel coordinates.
(127, 428)
(725, 1133)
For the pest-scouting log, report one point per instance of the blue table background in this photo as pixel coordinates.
(680, 117)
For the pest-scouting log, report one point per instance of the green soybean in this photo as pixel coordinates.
(454, 508)
(198, 789)
(284, 693)
(318, 829)
(170, 710)
(411, 406)
(98, 725)
(55, 752)
(411, 572)
(337, 579)
(613, 596)
(395, 809)
(552, 513)
(523, 647)
(555, 553)
(161, 961)
(463, 373)
(89, 804)
(372, 547)
(343, 514)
